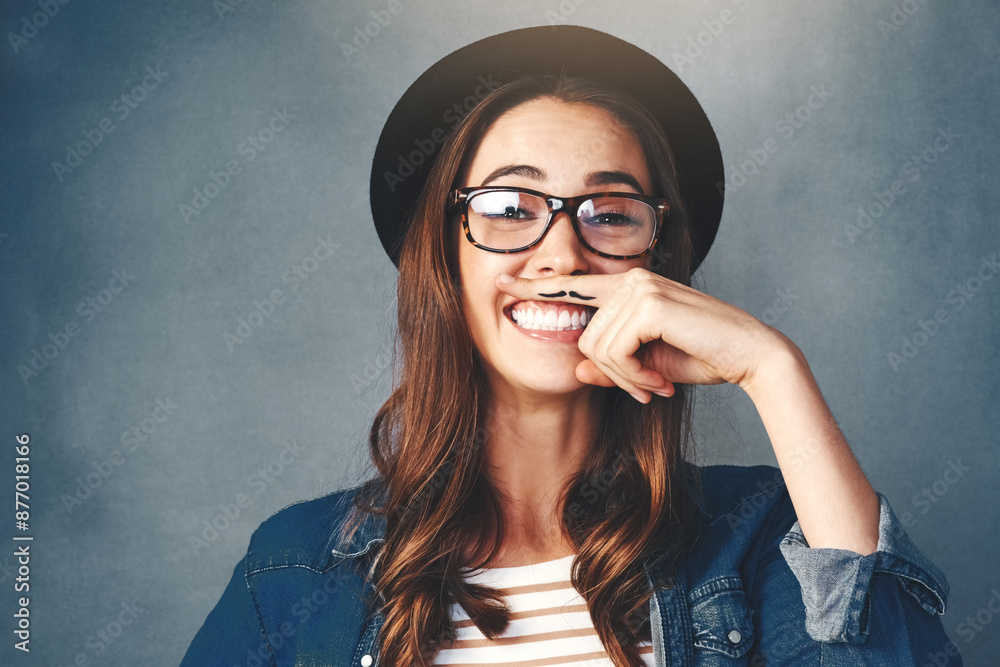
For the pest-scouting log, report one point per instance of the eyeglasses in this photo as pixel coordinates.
(616, 225)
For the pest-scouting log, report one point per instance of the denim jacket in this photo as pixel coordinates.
(752, 592)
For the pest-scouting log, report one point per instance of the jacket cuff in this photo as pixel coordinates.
(836, 582)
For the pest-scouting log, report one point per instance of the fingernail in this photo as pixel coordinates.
(637, 397)
(506, 279)
(663, 394)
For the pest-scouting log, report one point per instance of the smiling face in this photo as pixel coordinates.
(565, 150)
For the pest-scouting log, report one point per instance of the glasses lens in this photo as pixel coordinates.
(506, 220)
(617, 225)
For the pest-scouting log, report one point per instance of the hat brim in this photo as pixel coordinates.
(438, 100)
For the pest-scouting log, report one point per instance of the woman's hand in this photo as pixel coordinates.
(650, 332)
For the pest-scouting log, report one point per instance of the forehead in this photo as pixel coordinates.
(566, 141)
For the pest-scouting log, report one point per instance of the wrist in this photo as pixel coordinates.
(780, 364)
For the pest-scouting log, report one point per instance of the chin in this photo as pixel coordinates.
(523, 364)
(549, 380)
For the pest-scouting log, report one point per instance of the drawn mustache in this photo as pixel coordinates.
(571, 293)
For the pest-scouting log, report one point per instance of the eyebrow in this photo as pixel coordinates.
(525, 170)
(613, 178)
(592, 179)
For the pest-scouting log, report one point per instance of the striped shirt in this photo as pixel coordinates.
(550, 623)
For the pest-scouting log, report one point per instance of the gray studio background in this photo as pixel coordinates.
(147, 421)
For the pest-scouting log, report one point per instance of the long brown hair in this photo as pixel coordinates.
(630, 500)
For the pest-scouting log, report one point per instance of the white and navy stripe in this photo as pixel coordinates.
(550, 623)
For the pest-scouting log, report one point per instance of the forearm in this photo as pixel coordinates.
(835, 505)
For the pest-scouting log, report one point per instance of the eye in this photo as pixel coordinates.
(511, 212)
(509, 206)
(616, 213)
(612, 219)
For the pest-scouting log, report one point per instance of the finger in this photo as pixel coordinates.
(587, 289)
(599, 370)
(588, 372)
(593, 344)
(604, 333)
(613, 339)
(621, 357)
(647, 356)
(641, 389)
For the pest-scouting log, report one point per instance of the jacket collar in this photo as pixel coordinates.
(370, 533)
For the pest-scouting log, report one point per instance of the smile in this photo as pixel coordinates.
(549, 316)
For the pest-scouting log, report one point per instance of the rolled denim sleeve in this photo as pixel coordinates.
(836, 583)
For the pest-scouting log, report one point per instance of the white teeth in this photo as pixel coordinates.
(549, 320)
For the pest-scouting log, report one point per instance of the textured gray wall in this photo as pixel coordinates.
(138, 391)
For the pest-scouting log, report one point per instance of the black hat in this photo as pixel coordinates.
(451, 87)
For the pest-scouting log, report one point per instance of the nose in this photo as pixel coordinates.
(560, 252)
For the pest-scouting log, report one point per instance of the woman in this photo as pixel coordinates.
(532, 504)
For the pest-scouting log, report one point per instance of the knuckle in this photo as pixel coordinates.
(636, 275)
(647, 299)
(642, 281)
(637, 272)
